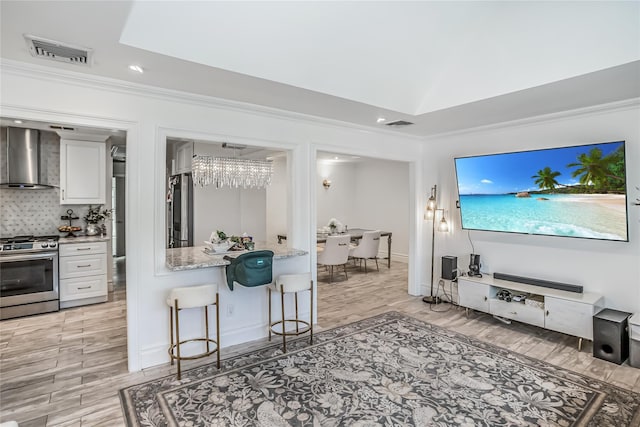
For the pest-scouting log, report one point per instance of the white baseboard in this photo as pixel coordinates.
(395, 257)
(157, 354)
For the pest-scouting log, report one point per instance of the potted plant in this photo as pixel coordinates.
(94, 218)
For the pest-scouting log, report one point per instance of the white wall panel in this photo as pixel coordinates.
(149, 116)
(610, 268)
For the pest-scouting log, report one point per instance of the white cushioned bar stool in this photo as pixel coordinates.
(193, 297)
(285, 284)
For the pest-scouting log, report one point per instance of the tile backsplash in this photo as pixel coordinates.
(37, 212)
(24, 212)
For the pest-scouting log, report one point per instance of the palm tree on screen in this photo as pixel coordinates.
(593, 168)
(546, 178)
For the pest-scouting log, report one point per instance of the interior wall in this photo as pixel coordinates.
(609, 268)
(276, 218)
(381, 201)
(150, 116)
(337, 200)
(369, 193)
(232, 210)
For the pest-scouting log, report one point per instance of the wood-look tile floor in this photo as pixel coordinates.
(65, 368)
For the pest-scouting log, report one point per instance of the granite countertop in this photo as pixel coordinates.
(83, 239)
(194, 257)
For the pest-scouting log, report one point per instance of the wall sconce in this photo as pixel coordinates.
(326, 183)
(443, 226)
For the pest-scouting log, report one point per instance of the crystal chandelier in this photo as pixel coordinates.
(231, 172)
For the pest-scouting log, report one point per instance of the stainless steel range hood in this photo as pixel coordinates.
(22, 160)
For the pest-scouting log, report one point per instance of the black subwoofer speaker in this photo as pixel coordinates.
(449, 267)
(611, 336)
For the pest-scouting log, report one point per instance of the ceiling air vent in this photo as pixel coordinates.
(399, 123)
(58, 51)
(58, 127)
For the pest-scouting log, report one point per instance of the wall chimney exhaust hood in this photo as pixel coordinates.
(21, 168)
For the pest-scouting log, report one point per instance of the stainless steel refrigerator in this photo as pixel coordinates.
(180, 201)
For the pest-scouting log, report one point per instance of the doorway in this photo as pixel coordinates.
(118, 217)
(361, 193)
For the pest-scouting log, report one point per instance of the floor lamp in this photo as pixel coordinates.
(432, 208)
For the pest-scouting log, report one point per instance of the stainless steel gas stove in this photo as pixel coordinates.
(28, 275)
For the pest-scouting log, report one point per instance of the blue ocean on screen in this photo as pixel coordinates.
(580, 215)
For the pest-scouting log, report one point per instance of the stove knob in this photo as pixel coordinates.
(44, 245)
(53, 244)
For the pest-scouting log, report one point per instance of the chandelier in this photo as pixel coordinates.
(231, 172)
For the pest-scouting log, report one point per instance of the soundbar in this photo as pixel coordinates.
(539, 282)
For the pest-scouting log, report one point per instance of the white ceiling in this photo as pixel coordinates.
(442, 65)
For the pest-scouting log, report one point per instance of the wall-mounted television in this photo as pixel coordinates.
(577, 191)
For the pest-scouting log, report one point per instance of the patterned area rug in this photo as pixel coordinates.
(389, 370)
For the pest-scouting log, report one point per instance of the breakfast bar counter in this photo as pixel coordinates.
(194, 257)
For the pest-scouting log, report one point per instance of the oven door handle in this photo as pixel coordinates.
(28, 257)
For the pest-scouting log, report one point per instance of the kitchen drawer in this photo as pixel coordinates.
(79, 266)
(83, 249)
(83, 287)
(517, 311)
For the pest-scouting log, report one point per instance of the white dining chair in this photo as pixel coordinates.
(367, 248)
(336, 252)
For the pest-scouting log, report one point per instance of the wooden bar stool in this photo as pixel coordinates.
(292, 283)
(193, 297)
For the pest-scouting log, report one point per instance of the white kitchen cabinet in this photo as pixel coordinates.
(83, 273)
(568, 312)
(82, 172)
(184, 155)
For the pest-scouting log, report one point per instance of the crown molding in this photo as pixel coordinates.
(627, 104)
(22, 69)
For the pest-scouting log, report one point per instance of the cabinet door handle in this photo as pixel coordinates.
(513, 312)
(83, 249)
(83, 266)
(485, 298)
(84, 287)
(547, 312)
(63, 194)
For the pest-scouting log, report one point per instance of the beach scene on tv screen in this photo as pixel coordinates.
(575, 191)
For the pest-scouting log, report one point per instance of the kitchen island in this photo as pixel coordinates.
(194, 257)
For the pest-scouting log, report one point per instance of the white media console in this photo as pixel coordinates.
(562, 311)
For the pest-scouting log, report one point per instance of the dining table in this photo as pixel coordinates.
(355, 233)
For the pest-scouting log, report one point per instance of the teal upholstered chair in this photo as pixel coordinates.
(250, 269)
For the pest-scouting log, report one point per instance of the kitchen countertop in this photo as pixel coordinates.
(83, 239)
(194, 257)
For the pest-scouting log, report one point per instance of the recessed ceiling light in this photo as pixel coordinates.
(17, 121)
(336, 158)
(136, 68)
(380, 120)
